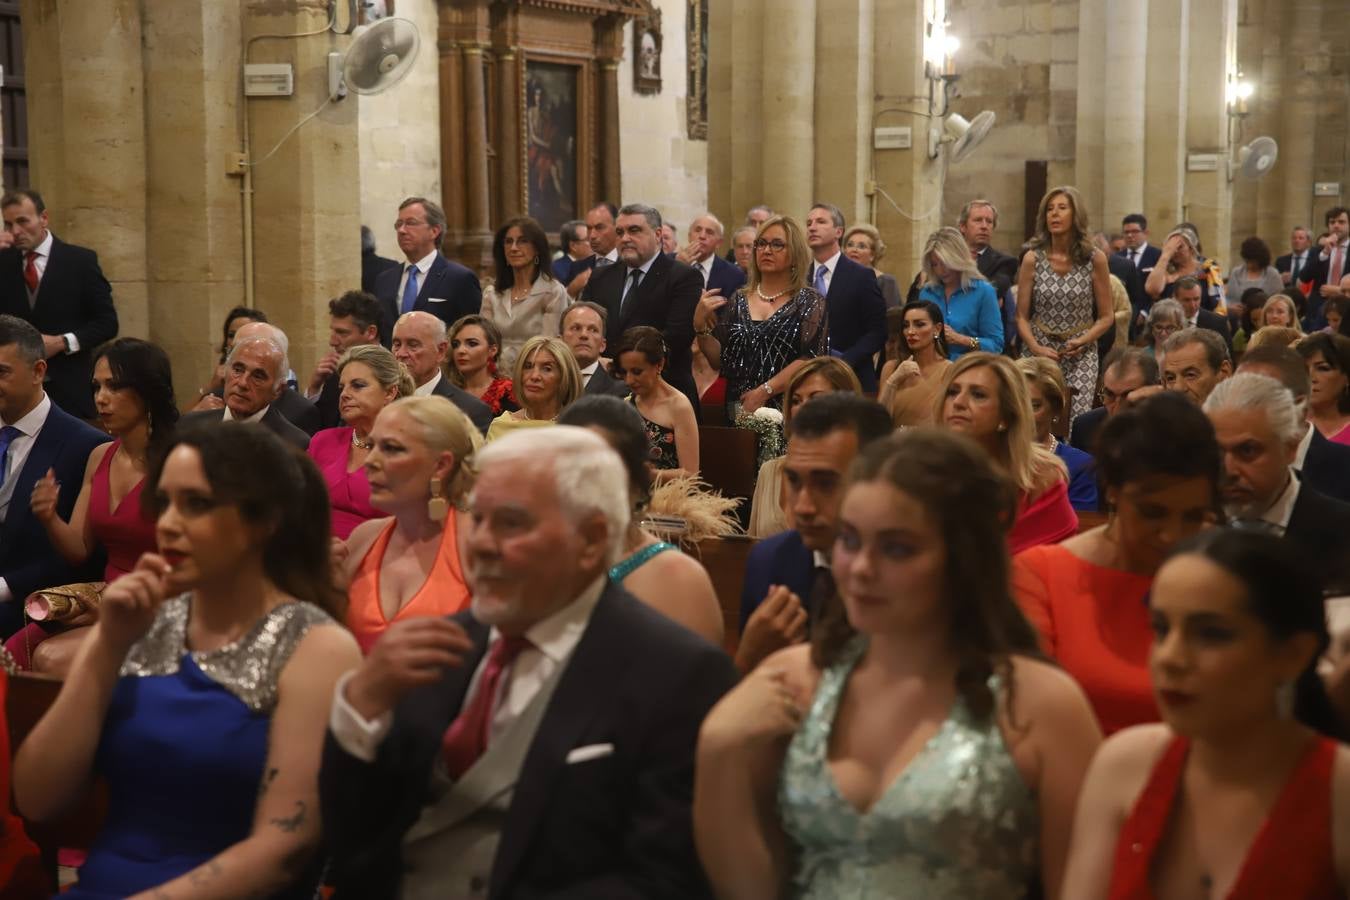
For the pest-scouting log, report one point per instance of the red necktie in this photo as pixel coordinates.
(466, 738)
(1337, 265)
(30, 275)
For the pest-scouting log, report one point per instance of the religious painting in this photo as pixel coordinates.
(697, 44)
(551, 142)
(647, 54)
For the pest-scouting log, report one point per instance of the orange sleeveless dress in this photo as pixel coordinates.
(444, 592)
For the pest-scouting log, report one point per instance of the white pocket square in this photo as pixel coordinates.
(594, 751)
(435, 299)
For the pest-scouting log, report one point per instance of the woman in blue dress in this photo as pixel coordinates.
(201, 696)
(918, 748)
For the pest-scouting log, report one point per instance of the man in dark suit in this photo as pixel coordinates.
(255, 375)
(301, 413)
(853, 301)
(543, 744)
(787, 576)
(36, 437)
(604, 245)
(353, 320)
(427, 281)
(1322, 278)
(59, 289)
(1189, 294)
(420, 343)
(1144, 257)
(1125, 370)
(705, 238)
(1301, 253)
(1321, 464)
(649, 288)
(372, 264)
(583, 329)
(979, 219)
(575, 248)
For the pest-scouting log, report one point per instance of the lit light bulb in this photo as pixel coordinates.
(950, 44)
(1245, 89)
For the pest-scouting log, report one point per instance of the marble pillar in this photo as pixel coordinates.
(1125, 127)
(1208, 195)
(787, 115)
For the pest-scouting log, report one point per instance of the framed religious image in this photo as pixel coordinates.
(551, 142)
(697, 43)
(647, 54)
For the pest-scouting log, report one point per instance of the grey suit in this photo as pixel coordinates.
(601, 382)
(273, 420)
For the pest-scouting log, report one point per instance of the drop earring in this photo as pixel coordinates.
(437, 507)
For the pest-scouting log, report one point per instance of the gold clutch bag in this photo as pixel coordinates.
(64, 602)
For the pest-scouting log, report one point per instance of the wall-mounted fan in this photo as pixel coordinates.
(380, 56)
(964, 136)
(1256, 159)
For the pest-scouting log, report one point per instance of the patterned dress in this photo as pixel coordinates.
(755, 351)
(661, 450)
(1062, 308)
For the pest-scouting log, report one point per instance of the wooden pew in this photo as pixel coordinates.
(724, 558)
(728, 462)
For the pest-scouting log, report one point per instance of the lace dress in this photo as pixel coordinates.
(755, 351)
(958, 823)
(1064, 307)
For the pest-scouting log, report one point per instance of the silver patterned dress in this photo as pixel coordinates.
(1063, 307)
(959, 822)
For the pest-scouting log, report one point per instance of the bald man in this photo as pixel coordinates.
(421, 344)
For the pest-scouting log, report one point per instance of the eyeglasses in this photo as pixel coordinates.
(1165, 329)
(776, 246)
(408, 223)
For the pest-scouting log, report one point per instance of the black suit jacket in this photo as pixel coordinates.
(448, 291)
(725, 277)
(601, 382)
(1326, 467)
(298, 411)
(1147, 261)
(665, 299)
(1315, 274)
(273, 420)
(1083, 431)
(1286, 263)
(615, 827)
(1214, 322)
(1129, 276)
(479, 413)
(73, 298)
(999, 268)
(371, 266)
(857, 318)
(27, 559)
(1318, 525)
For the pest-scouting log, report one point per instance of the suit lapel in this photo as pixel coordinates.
(434, 276)
(41, 457)
(644, 287)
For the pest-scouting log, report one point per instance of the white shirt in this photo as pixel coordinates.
(19, 448)
(628, 278)
(426, 389)
(256, 417)
(423, 266)
(552, 641)
(1136, 256)
(587, 372)
(829, 265)
(1302, 452)
(44, 252)
(705, 267)
(1283, 507)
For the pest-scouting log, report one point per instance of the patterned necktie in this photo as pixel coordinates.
(7, 436)
(1337, 265)
(30, 275)
(1134, 258)
(410, 290)
(467, 737)
(819, 284)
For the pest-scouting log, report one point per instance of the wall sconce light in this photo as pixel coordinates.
(939, 67)
(1240, 90)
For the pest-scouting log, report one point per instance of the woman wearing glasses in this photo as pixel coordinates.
(1165, 318)
(770, 326)
(523, 299)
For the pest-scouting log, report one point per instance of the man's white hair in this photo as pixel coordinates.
(1248, 391)
(587, 474)
(274, 350)
(717, 223)
(267, 329)
(426, 320)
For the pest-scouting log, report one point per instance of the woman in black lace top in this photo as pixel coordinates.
(771, 325)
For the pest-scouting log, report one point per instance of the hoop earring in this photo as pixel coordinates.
(437, 507)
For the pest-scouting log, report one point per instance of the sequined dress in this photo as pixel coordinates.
(959, 821)
(755, 351)
(1064, 307)
(183, 748)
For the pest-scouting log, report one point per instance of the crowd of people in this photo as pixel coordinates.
(1036, 604)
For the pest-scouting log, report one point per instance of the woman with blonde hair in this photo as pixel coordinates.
(1049, 401)
(1181, 257)
(1064, 293)
(772, 325)
(408, 564)
(970, 313)
(1280, 311)
(547, 380)
(985, 397)
(863, 245)
(369, 379)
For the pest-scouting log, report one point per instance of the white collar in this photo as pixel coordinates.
(256, 417)
(1303, 446)
(820, 559)
(830, 263)
(556, 636)
(590, 370)
(1139, 250)
(425, 390)
(44, 249)
(31, 422)
(1282, 509)
(645, 266)
(425, 262)
(613, 255)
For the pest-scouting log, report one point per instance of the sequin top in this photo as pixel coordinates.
(959, 821)
(755, 351)
(249, 668)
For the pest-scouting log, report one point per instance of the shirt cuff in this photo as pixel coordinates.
(6, 594)
(353, 733)
(73, 341)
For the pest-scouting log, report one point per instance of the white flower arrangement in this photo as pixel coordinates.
(769, 414)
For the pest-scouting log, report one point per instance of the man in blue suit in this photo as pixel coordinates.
(787, 577)
(426, 281)
(705, 238)
(35, 437)
(1143, 256)
(853, 301)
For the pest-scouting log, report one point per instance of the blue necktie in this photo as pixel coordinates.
(410, 290)
(7, 436)
(820, 279)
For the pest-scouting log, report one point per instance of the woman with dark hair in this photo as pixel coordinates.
(523, 299)
(1249, 319)
(671, 423)
(201, 696)
(670, 582)
(210, 396)
(910, 384)
(1158, 465)
(1336, 310)
(1064, 294)
(1240, 792)
(475, 347)
(1328, 359)
(1255, 271)
(133, 396)
(918, 747)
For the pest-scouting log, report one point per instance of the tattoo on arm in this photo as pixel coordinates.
(268, 777)
(291, 824)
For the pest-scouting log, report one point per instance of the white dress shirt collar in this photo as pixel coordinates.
(1282, 509)
(44, 249)
(29, 425)
(256, 417)
(423, 264)
(829, 264)
(1303, 445)
(587, 372)
(613, 255)
(427, 389)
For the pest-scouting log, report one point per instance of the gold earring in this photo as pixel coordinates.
(437, 507)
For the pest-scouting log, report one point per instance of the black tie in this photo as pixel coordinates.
(1294, 269)
(634, 278)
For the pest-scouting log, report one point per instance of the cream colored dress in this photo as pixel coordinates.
(539, 312)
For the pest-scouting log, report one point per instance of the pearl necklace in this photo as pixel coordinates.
(360, 444)
(771, 297)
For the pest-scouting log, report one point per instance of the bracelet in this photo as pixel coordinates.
(706, 333)
(768, 388)
(974, 344)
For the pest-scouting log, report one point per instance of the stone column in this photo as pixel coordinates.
(741, 93)
(1090, 139)
(610, 163)
(477, 247)
(788, 108)
(722, 202)
(1209, 194)
(1166, 78)
(452, 137)
(843, 104)
(509, 130)
(1304, 84)
(1125, 126)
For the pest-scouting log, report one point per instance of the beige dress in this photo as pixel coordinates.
(767, 516)
(539, 312)
(914, 405)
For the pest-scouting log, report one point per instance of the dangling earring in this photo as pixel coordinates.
(536, 259)
(1284, 700)
(437, 507)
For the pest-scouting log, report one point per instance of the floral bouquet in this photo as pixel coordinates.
(767, 423)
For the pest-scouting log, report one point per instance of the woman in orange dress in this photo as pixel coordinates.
(420, 467)
(1158, 467)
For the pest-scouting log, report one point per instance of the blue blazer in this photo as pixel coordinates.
(726, 277)
(781, 559)
(1082, 477)
(27, 560)
(448, 292)
(857, 318)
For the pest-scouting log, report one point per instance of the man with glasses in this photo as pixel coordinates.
(857, 311)
(426, 281)
(1127, 370)
(1139, 253)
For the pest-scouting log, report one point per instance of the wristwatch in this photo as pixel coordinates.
(768, 388)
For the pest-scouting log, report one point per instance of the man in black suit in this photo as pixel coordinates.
(255, 375)
(427, 281)
(1323, 276)
(575, 248)
(60, 289)
(649, 288)
(583, 329)
(979, 219)
(705, 238)
(1258, 429)
(301, 413)
(604, 245)
(372, 264)
(1126, 369)
(36, 436)
(353, 320)
(1144, 257)
(1119, 266)
(1189, 293)
(1321, 464)
(1301, 253)
(541, 745)
(853, 301)
(421, 344)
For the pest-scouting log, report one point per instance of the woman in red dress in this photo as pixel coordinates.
(475, 345)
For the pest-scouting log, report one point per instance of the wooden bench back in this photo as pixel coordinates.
(725, 558)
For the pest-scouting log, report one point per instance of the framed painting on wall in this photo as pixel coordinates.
(550, 106)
